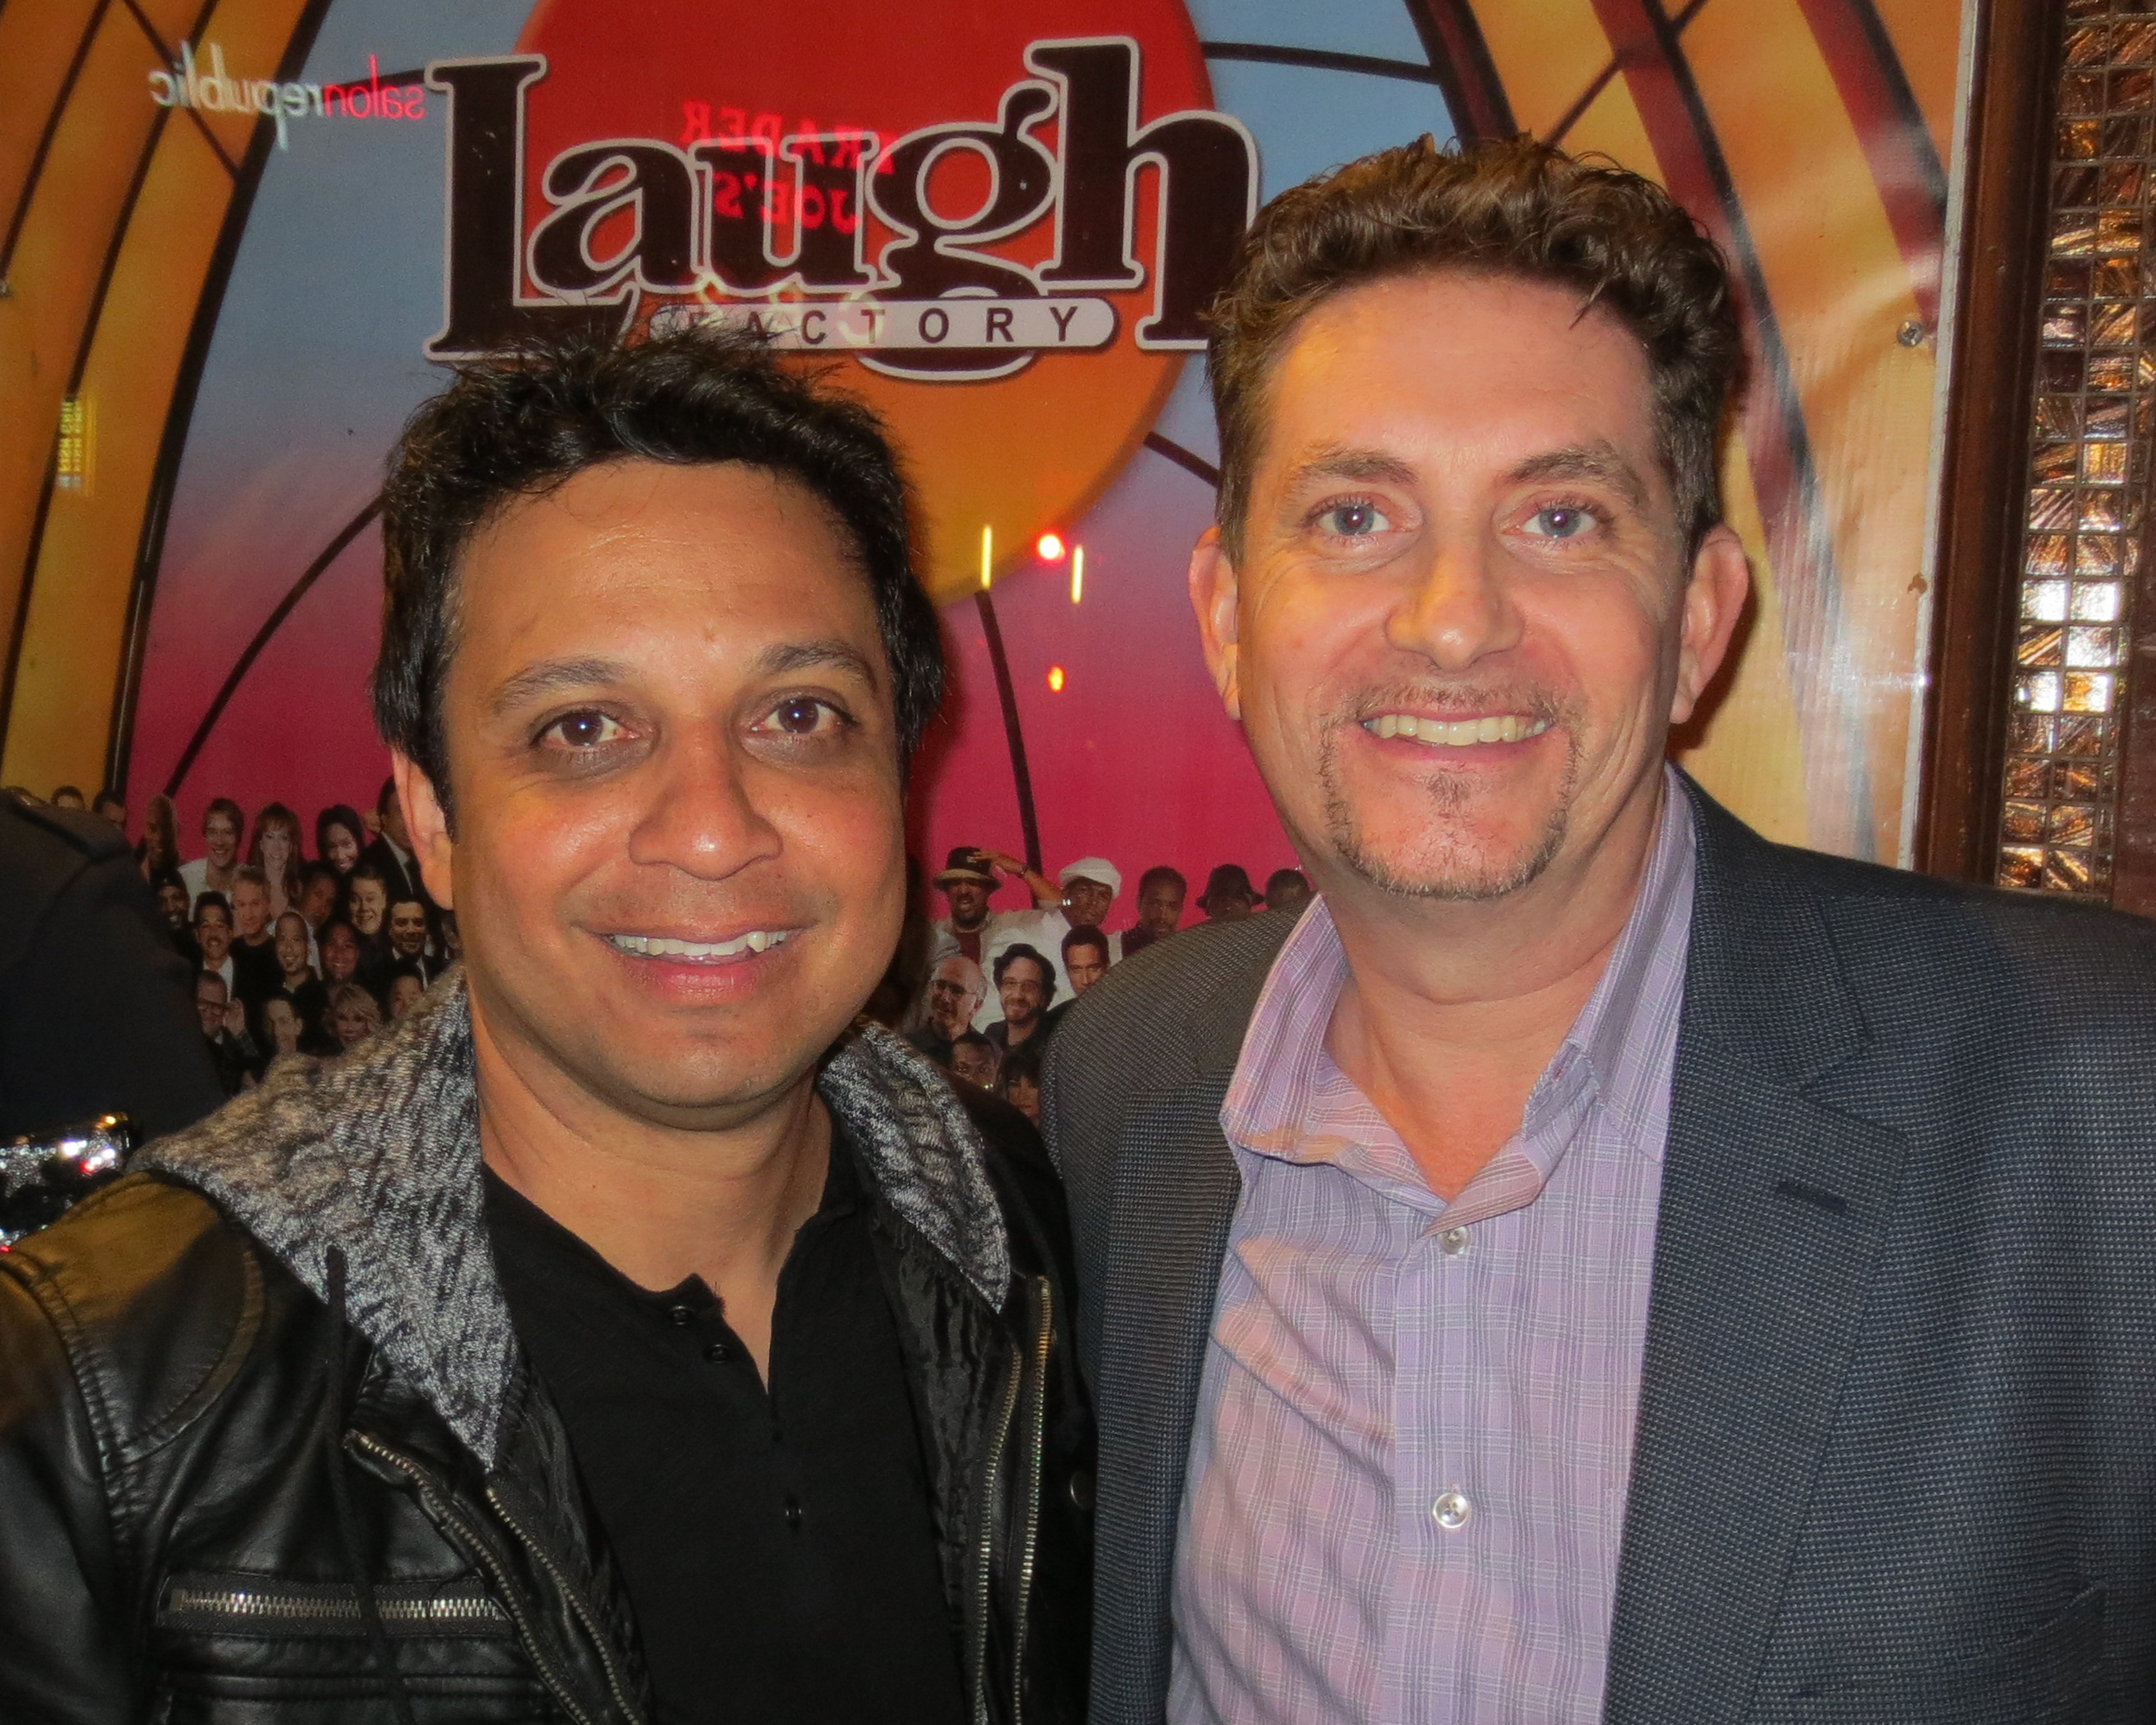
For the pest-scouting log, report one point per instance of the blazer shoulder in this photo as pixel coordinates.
(155, 1295)
(1167, 1011)
(1933, 917)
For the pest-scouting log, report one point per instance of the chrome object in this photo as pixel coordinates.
(42, 1177)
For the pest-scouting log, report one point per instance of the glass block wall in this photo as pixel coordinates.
(2095, 409)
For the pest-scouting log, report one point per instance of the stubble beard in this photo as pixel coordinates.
(1442, 867)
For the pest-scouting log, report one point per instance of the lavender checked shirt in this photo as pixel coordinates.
(1414, 1426)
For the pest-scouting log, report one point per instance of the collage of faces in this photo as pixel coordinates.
(301, 942)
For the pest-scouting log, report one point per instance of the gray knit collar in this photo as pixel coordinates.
(378, 1153)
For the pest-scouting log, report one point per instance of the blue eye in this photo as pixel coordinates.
(1353, 520)
(1561, 522)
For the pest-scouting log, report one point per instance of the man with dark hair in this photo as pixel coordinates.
(213, 928)
(444, 1381)
(410, 948)
(1085, 958)
(296, 981)
(1594, 1265)
(390, 849)
(976, 1060)
(1085, 962)
(1025, 984)
(213, 871)
(110, 805)
(319, 890)
(1286, 890)
(1228, 897)
(1161, 893)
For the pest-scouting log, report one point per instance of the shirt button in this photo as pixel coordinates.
(1452, 1511)
(718, 1353)
(680, 1315)
(1452, 1242)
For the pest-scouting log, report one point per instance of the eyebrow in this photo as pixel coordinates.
(1598, 462)
(555, 676)
(1334, 462)
(552, 676)
(788, 657)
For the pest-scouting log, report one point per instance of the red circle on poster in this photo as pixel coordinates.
(1016, 454)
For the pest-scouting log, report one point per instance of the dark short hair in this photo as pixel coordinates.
(370, 871)
(385, 799)
(1160, 873)
(1012, 954)
(224, 806)
(318, 870)
(1023, 1061)
(517, 424)
(1084, 935)
(168, 877)
(1285, 877)
(338, 814)
(971, 1038)
(210, 902)
(1509, 208)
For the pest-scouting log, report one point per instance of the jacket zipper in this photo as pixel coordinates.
(984, 1559)
(629, 1710)
(255, 1604)
(439, 1506)
(1029, 1538)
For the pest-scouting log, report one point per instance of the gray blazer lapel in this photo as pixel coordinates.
(1176, 1187)
(1773, 1206)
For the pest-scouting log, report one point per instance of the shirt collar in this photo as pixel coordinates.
(1623, 1034)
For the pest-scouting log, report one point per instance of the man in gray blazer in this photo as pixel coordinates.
(1593, 1264)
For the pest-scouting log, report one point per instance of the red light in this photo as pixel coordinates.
(1048, 548)
(1056, 679)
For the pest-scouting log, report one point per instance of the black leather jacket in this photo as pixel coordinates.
(263, 1455)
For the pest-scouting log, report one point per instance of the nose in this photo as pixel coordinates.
(699, 812)
(1460, 612)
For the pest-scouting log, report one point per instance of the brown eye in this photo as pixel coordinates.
(800, 717)
(584, 731)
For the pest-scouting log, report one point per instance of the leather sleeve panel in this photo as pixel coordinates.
(62, 1660)
(156, 1299)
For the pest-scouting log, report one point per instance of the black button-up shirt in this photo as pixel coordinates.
(776, 1542)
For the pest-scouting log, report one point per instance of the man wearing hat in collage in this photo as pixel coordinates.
(1082, 896)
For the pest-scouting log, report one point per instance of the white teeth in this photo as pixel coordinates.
(1456, 733)
(647, 946)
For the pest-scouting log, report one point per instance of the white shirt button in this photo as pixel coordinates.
(1452, 1511)
(1452, 1242)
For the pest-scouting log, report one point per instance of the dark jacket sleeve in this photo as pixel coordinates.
(97, 1009)
(63, 1657)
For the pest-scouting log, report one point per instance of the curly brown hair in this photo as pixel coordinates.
(1509, 207)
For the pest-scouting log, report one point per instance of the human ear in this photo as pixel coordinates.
(1713, 600)
(1213, 591)
(426, 827)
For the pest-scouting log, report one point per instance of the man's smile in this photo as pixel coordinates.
(1456, 733)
